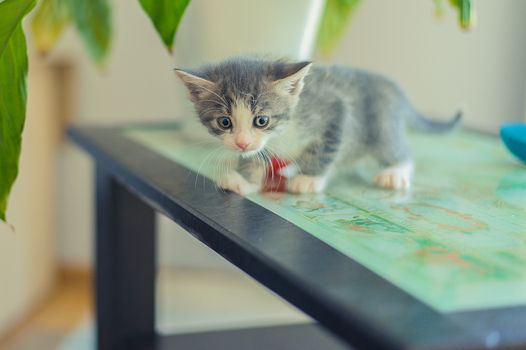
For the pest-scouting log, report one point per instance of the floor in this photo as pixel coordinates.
(184, 305)
(59, 315)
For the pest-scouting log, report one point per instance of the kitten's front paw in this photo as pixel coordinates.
(236, 183)
(306, 184)
(397, 177)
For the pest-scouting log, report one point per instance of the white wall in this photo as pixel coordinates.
(441, 68)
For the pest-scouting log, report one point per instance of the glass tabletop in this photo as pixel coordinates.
(456, 240)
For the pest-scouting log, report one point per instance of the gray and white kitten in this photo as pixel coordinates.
(320, 117)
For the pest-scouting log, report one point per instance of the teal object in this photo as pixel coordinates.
(514, 137)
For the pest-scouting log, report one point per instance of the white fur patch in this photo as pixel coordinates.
(397, 177)
(289, 171)
(306, 184)
(234, 182)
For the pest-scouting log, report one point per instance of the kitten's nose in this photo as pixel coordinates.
(242, 145)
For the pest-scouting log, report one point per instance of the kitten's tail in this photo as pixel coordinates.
(419, 122)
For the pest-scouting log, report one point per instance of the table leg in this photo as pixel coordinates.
(125, 265)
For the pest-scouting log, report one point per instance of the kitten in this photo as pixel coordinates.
(320, 117)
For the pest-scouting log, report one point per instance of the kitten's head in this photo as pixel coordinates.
(245, 102)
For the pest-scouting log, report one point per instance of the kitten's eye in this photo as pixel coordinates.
(224, 123)
(261, 121)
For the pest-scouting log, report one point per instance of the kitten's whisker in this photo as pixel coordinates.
(218, 174)
(226, 161)
(198, 173)
(264, 155)
(223, 168)
(259, 157)
(272, 168)
(212, 92)
(215, 174)
(269, 160)
(212, 155)
(214, 101)
(207, 112)
(194, 144)
(217, 171)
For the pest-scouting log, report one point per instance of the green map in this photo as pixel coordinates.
(456, 240)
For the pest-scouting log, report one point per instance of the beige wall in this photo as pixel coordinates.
(27, 254)
(439, 66)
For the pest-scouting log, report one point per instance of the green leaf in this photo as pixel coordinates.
(13, 72)
(92, 19)
(335, 18)
(49, 22)
(11, 14)
(466, 12)
(165, 16)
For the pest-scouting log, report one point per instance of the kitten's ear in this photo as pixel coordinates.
(292, 82)
(197, 86)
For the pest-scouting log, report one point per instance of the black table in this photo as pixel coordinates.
(357, 306)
